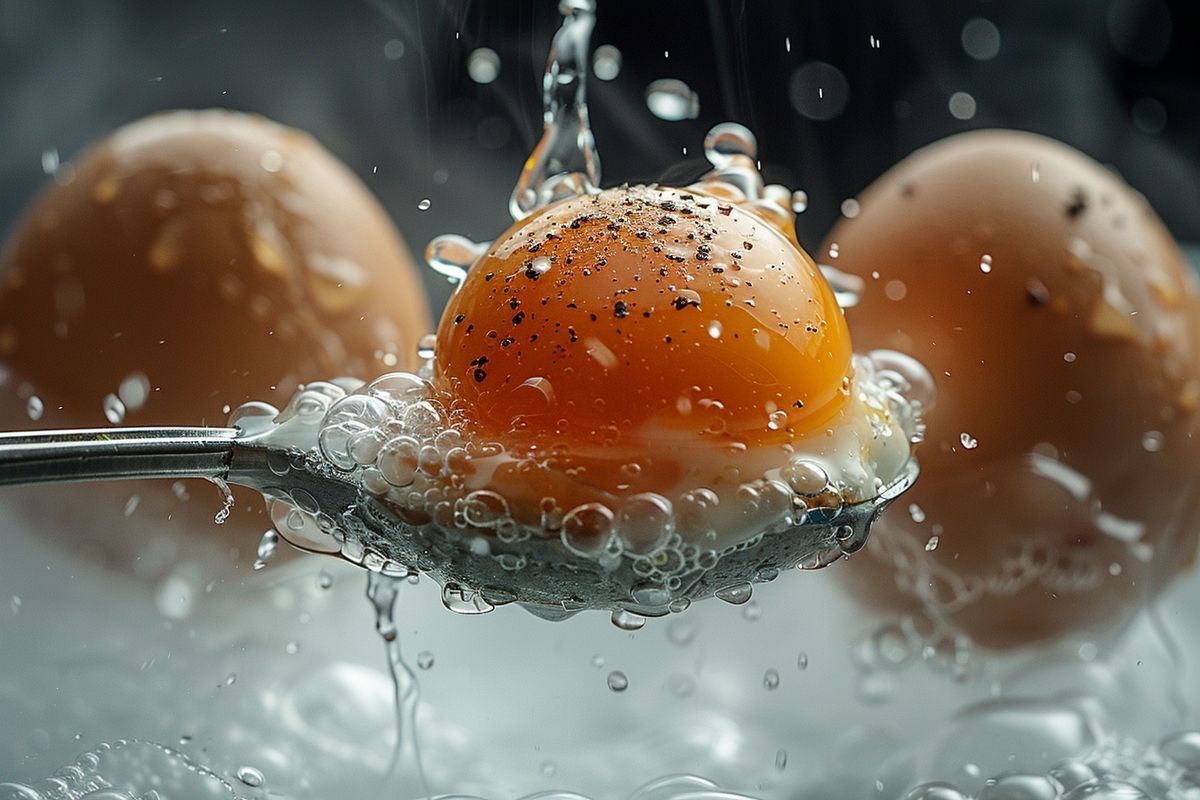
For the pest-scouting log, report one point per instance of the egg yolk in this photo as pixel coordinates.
(640, 322)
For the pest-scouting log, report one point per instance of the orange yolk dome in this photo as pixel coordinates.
(638, 318)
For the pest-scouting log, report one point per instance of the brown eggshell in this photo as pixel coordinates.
(1060, 322)
(210, 258)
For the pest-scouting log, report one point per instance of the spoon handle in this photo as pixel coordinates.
(69, 456)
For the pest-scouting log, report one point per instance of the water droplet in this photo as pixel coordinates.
(1035, 172)
(548, 769)
(672, 100)
(231, 679)
(606, 62)
(802, 661)
(771, 679)
(985, 263)
(850, 208)
(737, 594)
(819, 91)
(968, 441)
(981, 39)
(34, 407)
(50, 161)
(324, 579)
(1153, 441)
(250, 776)
(424, 204)
(962, 106)
(681, 632)
(266, 548)
(393, 49)
(932, 544)
(752, 612)
(628, 621)
(617, 681)
(781, 759)
(424, 659)
(134, 390)
(483, 65)
(464, 601)
(714, 329)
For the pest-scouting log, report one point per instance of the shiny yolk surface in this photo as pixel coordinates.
(641, 317)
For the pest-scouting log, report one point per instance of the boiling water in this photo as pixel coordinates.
(239, 674)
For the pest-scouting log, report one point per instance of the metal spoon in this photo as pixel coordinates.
(320, 508)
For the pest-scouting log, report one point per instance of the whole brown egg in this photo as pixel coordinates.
(187, 263)
(1061, 323)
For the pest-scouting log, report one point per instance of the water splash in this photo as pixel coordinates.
(382, 591)
(564, 163)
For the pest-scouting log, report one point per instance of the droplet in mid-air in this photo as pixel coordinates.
(672, 100)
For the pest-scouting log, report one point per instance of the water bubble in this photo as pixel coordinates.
(962, 105)
(771, 680)
(968, 441)
(932, 543)
(850, 208)
(1153, 441)
(819, 91)
(587, 529)
(134, 390)
(985, 263)
(424, 204)
(672, 100)
(1071, 773)
(483, 65)
(424, 659)
(606, 62)
(250, 776)
(936, 791)
(485, 509)
(1019, 787)
(617, 681)
(1182, 748)
(799, 201)
(644, 523)
(34, 407)
(1106, 790)
(548, 769)
(598, 661)
(981, 39)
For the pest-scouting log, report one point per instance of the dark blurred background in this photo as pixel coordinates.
(401, 91)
